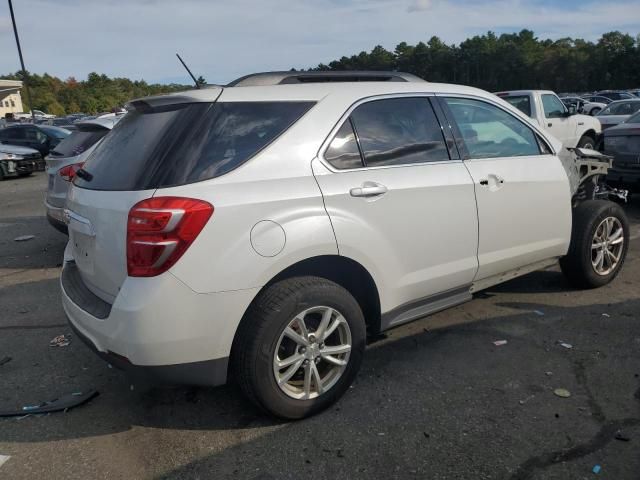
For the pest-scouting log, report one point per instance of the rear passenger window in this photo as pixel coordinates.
(490, 132)
(399, 131)
(343, 151)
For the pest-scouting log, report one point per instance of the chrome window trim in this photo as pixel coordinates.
(527, 121)
(345, 116)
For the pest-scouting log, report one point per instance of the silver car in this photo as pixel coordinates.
(617, 112)
(66, 159)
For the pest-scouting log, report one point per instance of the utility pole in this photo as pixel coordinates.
(24, 70)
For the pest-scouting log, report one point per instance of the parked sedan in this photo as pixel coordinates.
(622, 142)
(617, 112)
(66, 159)
(615, 95)
(597, 99)
(39, 137)
(17, 161)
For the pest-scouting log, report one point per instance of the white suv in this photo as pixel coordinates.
(260, 230)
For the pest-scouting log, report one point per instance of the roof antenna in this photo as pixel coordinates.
(187, 69)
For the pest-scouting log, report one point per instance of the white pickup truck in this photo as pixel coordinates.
(564, 123)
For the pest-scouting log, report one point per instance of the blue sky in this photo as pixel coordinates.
(222, 40)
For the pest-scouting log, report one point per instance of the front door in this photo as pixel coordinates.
(399, 204)
(557, 121)
(522, 190)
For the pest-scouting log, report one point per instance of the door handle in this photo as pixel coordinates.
(496, 180)
(549, 124)
(368, 189)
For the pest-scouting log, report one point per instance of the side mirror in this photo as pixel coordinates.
(572, 110)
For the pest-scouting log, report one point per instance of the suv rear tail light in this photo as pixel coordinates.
(160, 230)
(67, 173)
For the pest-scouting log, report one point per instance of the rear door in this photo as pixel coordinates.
(557, 121)
(400, 200)
(522, 190)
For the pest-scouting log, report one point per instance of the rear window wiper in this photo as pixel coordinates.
(83, 174)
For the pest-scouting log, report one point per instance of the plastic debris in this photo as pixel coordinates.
(562, 392)
(56, 405)
(3, 459)
(24, 238)
(622, 436)
(606, 315)
(564, 344)
(522, 402)
(499, 343)
(60, 341)
(4, 360)
(548, 374)
(596, 469)
(539, 313)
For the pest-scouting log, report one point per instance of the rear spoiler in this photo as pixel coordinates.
(204, 95)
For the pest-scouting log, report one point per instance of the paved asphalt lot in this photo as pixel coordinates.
(435, 399)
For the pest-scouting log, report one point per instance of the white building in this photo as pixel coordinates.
(10, 100)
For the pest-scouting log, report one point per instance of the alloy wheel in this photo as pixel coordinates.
(607, 246)
(312, 353)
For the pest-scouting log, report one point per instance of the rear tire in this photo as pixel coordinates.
(599, 226)
(261, 345)
(594, 111)
(586, 141)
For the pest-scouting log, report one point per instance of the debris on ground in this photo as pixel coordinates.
(539, 313)
(522, 402)
(499, 343)
(24, 238)
(62, 403)
(622, 436)
(564, 344)
(596, 469)
(606, 315)
(3, 459)
(562, 392)
(4, 360)
(548, 374)
(60, 341)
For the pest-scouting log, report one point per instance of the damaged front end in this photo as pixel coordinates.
(587, 170)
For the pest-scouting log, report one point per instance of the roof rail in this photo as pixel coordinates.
(281, 78)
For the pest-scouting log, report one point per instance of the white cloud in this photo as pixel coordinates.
(223, 40)
(419, 5)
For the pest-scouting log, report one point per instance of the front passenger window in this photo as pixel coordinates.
(490, 132)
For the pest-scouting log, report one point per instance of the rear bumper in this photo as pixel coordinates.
(55, 216)
(157, 327)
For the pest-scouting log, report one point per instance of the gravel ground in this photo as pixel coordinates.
(435, 399)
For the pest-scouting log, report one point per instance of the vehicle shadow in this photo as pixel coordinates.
(403, 380)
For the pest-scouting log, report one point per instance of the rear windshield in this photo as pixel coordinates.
(521, 102)
(79, 142)
(185, 143)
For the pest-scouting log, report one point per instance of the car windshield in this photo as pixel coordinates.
(633, 118)
(185, 143)
(621, 108)
(521, 102)
(79, 141)
(60, 133)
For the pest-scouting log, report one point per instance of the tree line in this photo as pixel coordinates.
(512, 61)
(491, 62)
(98, 93)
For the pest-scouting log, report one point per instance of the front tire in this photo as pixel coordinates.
(599, 243)
(299, 346)
(586, 141)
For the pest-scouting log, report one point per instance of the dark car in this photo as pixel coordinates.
(17, 161)
(43, 138)
(622, 142)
